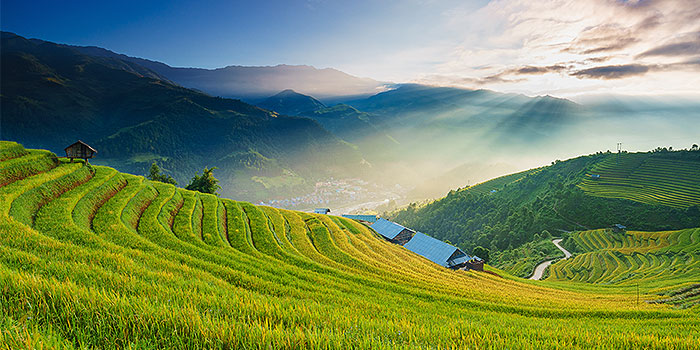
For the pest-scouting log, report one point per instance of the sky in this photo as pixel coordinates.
(557, 47)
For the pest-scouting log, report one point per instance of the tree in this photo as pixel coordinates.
(694, 147)
(155, 175)
(206, 183)
(482, 253)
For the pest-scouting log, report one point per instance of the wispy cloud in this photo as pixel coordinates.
(603, 38)
(612, 72)
(629, 70)
(523, 45)
(536, 70)
(676, 48)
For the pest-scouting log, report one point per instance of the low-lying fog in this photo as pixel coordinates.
(422, 154)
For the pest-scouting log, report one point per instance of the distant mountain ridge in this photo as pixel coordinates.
(290, 102)
(365, 130)
(255, 82)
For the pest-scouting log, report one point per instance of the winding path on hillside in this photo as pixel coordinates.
(539, 269)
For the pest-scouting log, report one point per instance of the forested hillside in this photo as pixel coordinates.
(369, 132)
(507, 212)
(94, 258)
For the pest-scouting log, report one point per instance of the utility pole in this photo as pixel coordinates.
(637, 295)
(619, 150)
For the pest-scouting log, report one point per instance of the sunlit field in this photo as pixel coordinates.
(100, 259)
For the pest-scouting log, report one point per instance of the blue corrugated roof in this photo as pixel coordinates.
(387, 228)
(368, 218)
(434, 250)
(460, 260)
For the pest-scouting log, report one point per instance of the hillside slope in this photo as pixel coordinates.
(290, 102)
(509, 211)
(671, 181)
(365, 130)
(53, 95)
(95, 258)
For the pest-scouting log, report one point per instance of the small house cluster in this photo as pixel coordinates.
(433, 249)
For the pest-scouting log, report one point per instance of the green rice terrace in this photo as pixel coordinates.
(94, 258)
(641, 178)
(648, 259)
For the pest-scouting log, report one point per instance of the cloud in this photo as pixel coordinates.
(691, 64)
(629, 70)
(456, 80)
(553, 45)
(612, 72)
(598, 59)
(683, 48)
(602, 38)
(536, 69)
(598, 72)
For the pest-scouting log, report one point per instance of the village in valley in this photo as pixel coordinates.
(347, 195)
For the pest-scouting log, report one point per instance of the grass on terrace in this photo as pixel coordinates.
(641, 178)
(90, 257)
(658, 262)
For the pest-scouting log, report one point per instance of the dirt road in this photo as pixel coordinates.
(539, 269)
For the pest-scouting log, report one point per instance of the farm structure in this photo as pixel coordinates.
(475, 263)
(324, 211)
(619, 228)
(435, 250)
(80, 149)
(365, 218)
(392, 231)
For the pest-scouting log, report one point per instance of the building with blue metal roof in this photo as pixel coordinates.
(392, 231)
(322, 211)
(619, 227)
(367, 218)
(437, 251)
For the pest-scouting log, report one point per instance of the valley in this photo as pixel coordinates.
(492, 174)
(94, 257)
(425, 139)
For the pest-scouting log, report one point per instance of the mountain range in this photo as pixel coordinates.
(53, 95)
(254, 83)
(431, 139)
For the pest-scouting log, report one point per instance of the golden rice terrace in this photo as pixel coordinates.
(94, 258)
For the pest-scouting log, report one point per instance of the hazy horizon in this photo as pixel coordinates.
(561, 48)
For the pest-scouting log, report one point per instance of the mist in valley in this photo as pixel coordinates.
(426, 141)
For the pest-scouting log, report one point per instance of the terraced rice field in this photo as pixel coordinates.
(646, 179)
(648, 259)
(93, 258)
